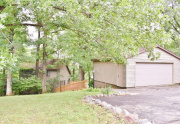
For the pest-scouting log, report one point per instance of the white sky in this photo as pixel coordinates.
(33, 33)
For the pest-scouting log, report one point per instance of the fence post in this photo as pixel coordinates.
(60, 86)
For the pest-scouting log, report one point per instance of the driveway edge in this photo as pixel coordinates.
(128, 117)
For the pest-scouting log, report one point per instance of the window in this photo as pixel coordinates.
(48, 73)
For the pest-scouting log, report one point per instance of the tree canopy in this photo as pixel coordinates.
(80, 30)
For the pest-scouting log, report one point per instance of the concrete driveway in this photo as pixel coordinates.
(158, 104)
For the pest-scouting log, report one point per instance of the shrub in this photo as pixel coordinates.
(90, 82)
(106, 90)
(2, 84)
(93, 89)
(52, 84)
(31, 85)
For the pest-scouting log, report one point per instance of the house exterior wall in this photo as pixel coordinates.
(64, 74)
(52, 74)
(106, 73)
(164, 58)
(99, 84)
(121, 81)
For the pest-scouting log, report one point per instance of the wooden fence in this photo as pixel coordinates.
(73, 86)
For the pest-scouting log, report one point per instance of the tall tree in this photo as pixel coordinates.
(171, 12)
(116, 28)
(81, 73)
(12, 14)
(14, 36)
(42, 15)
(44, 89)
(113, 29)
(38, 49)
(9, 72)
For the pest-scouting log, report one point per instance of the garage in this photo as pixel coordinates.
(140, 70)
(148, 74)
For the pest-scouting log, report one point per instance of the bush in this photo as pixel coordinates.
(2, 84)
(106, 90)
(93, 89)
(31, 85)
(52, 84)
(90, 82)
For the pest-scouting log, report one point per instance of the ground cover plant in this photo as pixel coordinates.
(65, 108)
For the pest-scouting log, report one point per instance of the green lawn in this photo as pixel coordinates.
(64, 108)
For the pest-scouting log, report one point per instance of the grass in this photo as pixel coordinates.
(53, 108)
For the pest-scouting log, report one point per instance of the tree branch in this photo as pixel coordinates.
(176, 21)
(7, 39)
(56, 31)
(1, 8)
(29, 24)
(88, 15)
(109, 22)
(175, 28)
(59, 8)
(26, 24)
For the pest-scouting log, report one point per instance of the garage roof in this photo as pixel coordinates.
(143, 50)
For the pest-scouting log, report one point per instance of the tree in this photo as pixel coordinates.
(43, 16)
(172, 26)
(82, 30)
(110, 29)
(10, 18)
(116, 29)
(13, 36)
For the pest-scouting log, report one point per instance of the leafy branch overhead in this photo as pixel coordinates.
(116, 29)
(77, 31)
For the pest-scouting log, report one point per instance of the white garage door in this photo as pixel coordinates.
(153, 74)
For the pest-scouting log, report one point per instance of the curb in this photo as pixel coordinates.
(130, 118)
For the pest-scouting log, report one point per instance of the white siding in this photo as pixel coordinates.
(165, 58)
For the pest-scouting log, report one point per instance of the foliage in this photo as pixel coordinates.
(91, 82)
(106, 90)
(93, 89)
(8, 60)
(172, 9)
(31, 85)
(2, 83)
(48, 87)
(78, 31)
(52, 83)
(115, 29)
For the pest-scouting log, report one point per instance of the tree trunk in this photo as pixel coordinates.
(73, 71)
(81, 74)
(37, 59)
(73, 74)
(44, 90)
(4, 81)
(9, 83)
(9, 73)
